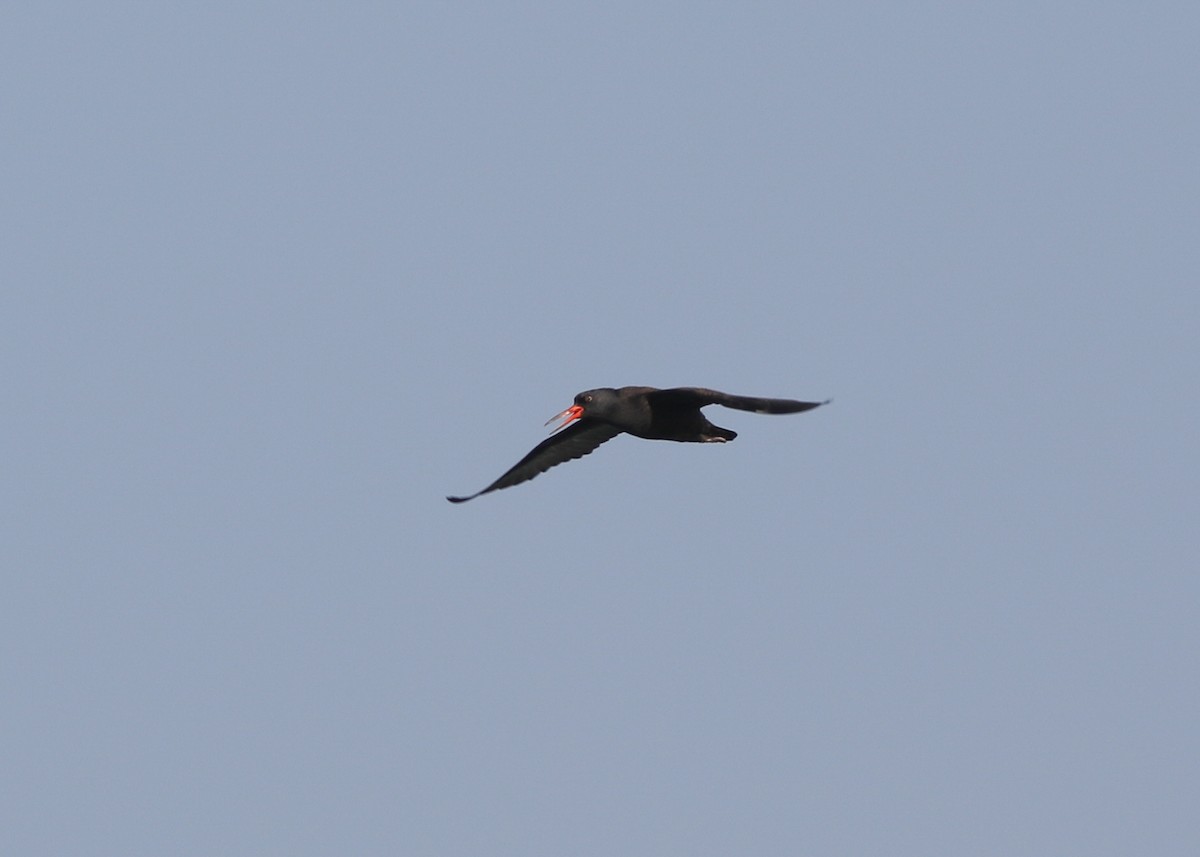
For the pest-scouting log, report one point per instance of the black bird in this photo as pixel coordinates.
(647, 412)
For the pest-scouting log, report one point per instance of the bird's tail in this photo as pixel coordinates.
(716, 434)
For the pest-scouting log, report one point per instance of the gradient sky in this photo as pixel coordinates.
(277, 277)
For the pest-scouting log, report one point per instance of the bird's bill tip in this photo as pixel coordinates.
(568, 416)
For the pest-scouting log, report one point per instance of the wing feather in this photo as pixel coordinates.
(575, 441)
(698, 397)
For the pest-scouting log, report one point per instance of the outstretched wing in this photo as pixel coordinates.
(575, 441)
(698, 397)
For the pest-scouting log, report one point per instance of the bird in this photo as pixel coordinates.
(648, 412)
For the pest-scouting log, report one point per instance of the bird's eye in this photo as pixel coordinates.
(587, 399)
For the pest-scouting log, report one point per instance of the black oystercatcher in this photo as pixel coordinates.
(600, 415)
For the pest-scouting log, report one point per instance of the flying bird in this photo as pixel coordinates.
(602, 414)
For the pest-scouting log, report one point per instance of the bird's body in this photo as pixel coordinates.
(647, 412)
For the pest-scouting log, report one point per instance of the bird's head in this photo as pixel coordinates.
(589, 401)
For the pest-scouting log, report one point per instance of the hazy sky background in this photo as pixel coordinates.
(277, 277)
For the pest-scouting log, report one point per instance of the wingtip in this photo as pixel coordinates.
(458, 499)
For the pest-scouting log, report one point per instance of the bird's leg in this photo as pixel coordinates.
(716, 434)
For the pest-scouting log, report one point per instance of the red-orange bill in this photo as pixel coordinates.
(570, 414)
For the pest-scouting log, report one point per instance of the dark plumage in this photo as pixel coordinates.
(600, 415)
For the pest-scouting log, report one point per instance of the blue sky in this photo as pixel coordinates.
(277, 278)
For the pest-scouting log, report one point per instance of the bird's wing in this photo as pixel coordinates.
(698, 397)
(573, 442)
